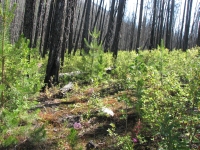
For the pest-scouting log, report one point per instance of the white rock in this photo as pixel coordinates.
(108, 111)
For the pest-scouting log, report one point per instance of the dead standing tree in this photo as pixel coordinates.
(66, 31)
(187, 24)
(80, 27)
(57, 31)
(46, 27)
(102, 23)
(29, 20)
(73, 7)
(120, 15)
(198, 38)
(110, 27)
(86, 27)
(152, 45)
(133, 28)
(139, 27)
(39, 25)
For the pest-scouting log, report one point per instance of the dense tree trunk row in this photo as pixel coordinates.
(36, 19)
(60, 26)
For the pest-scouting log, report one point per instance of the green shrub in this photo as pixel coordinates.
(167, 88)
(20, 83)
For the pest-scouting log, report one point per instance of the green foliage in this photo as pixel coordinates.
(73, 138)
(38, 134)
(92, 64)
(120, 142)
(128, 103)
(22, 74)
(167, 88)
(20, 83)
(166, 85)
(94, 61)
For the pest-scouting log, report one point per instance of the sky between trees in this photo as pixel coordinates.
(131, 4)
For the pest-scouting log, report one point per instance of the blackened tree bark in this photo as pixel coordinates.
(187, 25)
(110, 27)
(40, 22)
(75, 31)
(160, 25)
(96, 18)
(139, 26)
(169, 24)
(29, 20)
(79, 32)
(46, 27)
(57, 31)
(97, 15)
(17, 23)
(66, 31)
(182, 25)
(101, 20)
(92, 11)
(86, 27)
(133, 28)
(73, 7)
(102, 24)
(152, 45)
(198, 39)
(120, 14)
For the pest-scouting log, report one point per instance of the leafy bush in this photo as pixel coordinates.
(167, 88)
(20, 83)
(120, 142)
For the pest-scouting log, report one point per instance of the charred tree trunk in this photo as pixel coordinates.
(17, 23)
(182, 25)
(110, 27)
(58, 22)
(66, 31)
(133, 28)
(102, 24)
(76, 28)
(70, 43)
(49, 14)
(160, 34)
(139, 26)
(152, 45)
(97, 15)
(187, 25)
(92, 11)
(29, 20)
(198, 39)
(169, 24)
(86, 27)
(40, 22)
(120, 15)
(79, 32)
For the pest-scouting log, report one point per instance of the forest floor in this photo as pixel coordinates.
(103, 109)
(83, 104)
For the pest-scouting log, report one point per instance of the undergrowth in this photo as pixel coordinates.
(20, 84)
(166, 85)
